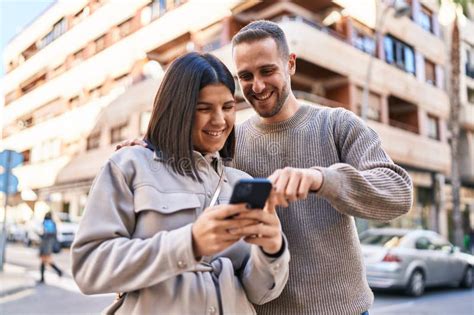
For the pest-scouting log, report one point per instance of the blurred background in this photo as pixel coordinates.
(80, 76)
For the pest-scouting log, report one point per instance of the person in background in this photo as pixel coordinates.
(157, 226)
(48, 241)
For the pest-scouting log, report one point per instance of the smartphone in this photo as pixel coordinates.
(254, 192)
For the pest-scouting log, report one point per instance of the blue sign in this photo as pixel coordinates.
(15, 158)
(12, 183)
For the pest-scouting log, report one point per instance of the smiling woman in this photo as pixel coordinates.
(177, 128)
(157, 225)
(214, 118)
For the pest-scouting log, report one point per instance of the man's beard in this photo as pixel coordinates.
(278, 105)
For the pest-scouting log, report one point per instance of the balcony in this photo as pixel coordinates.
(467, 156)
(403, 115)
(407, 148)
(467, 115)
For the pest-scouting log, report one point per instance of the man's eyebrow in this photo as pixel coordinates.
(269, 65)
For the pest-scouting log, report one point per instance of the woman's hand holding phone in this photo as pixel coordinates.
(266, 233)
(210, 231)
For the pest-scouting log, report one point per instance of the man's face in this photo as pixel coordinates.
(263, 75)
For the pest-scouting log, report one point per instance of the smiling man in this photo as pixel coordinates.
(325, 160)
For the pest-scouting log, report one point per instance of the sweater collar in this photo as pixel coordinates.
(291, 123)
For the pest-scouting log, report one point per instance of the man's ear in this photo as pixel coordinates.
(292, 64)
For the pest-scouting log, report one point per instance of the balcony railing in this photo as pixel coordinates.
(404, 126)
(317, 99)
(313, 23)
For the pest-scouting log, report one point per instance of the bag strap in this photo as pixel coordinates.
(217, 191)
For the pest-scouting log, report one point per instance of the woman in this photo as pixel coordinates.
(151, 228)
(48, 241)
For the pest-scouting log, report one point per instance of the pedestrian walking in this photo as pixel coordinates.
(48, 242)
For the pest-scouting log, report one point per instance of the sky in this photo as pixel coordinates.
(16, 15)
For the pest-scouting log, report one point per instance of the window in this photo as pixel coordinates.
(424, 243)
(399, 54)
(430, 72)
(26, 156)
(433, 127)
(125, 28)
(81, 15)
(58, 29)
(93, 141)
(33, 82)
(96, 92)
(100, 44)
(118, 133)
(363, 41)
(470, 95)
(25, 122)
(470, 62)
(374, 105)
(46, 150)
(74, 102)
(79, 55)
(158, 8)
(425, 19)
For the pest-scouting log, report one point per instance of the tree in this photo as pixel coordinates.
(454, 123)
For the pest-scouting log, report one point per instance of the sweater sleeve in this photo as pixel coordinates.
(264, 277)
(366, 184)
(105, 256)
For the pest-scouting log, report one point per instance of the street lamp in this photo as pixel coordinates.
(401, 9)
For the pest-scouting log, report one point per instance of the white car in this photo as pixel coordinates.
(413, 260)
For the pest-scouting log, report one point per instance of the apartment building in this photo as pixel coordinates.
(82, 77)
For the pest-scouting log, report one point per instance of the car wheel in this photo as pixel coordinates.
(466, 281)
(416, 284)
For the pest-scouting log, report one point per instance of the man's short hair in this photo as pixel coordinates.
(263, 29)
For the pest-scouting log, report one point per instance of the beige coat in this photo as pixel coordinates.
(135, 237)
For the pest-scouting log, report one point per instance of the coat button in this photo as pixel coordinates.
(182, 264)
(276, 267)
(212, 310)
(209, 194)
(164, 207)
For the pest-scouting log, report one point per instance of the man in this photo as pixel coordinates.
(327, 164)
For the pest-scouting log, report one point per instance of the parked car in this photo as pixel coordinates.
(16, 232)
(413, 260)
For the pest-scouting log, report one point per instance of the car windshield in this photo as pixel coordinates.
(385, 240)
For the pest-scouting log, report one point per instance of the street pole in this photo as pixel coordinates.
(3, 238)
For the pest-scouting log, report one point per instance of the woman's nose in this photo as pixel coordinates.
(218, 117)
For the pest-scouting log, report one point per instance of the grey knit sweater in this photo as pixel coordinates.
(327, 274)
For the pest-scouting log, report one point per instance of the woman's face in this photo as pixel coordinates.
(214, 118)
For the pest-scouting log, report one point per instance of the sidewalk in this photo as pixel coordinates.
(14, 279)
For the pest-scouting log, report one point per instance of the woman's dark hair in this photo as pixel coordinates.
(48, 216)
(172, 119)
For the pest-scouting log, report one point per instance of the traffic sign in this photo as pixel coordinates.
(16, 158)
(12, 183)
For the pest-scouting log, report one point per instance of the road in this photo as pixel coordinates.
(61, 295)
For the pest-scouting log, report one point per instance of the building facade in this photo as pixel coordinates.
(82, 77)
